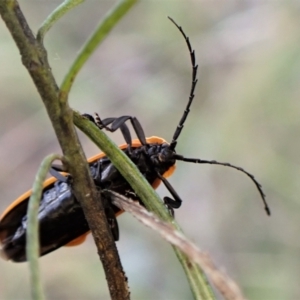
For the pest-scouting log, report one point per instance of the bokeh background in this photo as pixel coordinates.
(246, 111)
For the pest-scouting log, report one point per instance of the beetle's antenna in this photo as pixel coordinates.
(194, 82)
(213, 162)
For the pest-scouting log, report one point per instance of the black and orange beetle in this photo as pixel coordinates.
(61, 219)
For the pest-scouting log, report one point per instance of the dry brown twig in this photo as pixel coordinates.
(223, 283)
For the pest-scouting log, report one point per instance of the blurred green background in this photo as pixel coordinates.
(246, 111)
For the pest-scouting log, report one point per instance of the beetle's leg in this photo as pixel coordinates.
(55, 172)
(136, 125)
(119, 123)
(90, 117)
(111, 217)
(171, 203)
(97, 175)
(123, 127)
(101, 124)
(59, 168)
(112, 222)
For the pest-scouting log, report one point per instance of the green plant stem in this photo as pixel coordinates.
(197, 279)
(102, 30)
(59, 12)
(32, 235)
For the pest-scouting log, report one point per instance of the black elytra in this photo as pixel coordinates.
(61, 219)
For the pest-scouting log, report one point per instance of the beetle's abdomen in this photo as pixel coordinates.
(61, 220)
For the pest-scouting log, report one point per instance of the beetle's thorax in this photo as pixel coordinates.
(150, 159)
(153, 157)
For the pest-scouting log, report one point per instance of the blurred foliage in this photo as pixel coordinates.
(246, 112)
